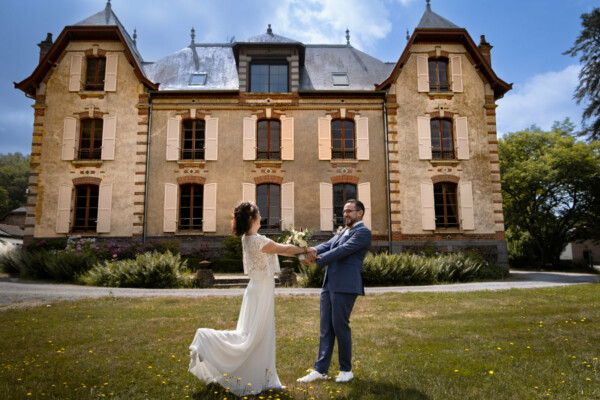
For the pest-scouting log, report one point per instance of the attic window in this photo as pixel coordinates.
(340, 79)
(198, 79)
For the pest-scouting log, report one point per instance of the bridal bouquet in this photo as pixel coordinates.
(298, 238)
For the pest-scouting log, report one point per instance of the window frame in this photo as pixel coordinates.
(96, 84)
(266, 210)
(339, 220)
(434, 81)
(90, 221)
(335, 152)
(440, 154)
(195, 131)
(94, 151)
(444, 222)
(336, 76)
(203, 76)
(191, 226)
(270, 83)
(269, 154)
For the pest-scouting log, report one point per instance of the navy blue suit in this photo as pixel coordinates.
(343, 255)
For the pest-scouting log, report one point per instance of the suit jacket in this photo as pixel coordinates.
(343, 256)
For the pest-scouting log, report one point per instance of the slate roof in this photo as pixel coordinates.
(431, 20)
(11, 231)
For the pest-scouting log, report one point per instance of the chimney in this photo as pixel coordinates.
(45, 46)
(485, 49)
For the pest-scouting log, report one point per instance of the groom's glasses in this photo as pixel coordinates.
(348, 211)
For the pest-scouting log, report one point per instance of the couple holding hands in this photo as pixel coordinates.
(243, 360)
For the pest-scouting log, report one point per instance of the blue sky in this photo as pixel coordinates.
(529, 37)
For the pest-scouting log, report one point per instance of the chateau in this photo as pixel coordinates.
(126, 149)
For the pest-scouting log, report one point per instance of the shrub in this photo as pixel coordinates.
(313, 275)
(47, 244)
(11, 260)
(232, 247)
(227, 265)
(148, 270)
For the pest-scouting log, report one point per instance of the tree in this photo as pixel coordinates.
(14, 175)
(550, 187)
(588, 44)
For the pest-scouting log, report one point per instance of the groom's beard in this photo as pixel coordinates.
(348, 220)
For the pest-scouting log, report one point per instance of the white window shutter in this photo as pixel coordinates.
(466, 206)
(456, 71)
(63, 215)
(211, 139)
(75, 73)
(109, 133)
(424, 134)
(427, 206)
(209, 208)
(170, 208)
(364, 195)
(326, 203)
(104, 208)
(249, 139)
(362, 138)
(422, 74)
(287, 138)
(110, 74)
(69, 135)
(249, 192)
(462, 138)
(173, 132)
(287, 205)
(325, 138)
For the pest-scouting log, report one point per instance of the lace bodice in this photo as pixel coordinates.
(256, 263)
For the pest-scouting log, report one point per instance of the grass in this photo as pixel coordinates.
(514, 344)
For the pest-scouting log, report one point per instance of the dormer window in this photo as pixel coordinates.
(269, 77)
(340, 79)
(198, 79)
(95, 71)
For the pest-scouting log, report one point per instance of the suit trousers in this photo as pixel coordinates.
(335, 323)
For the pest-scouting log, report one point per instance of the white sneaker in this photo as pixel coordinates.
(344, 376)
(312, 376)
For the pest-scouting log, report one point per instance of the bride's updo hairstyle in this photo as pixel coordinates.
(243, 215)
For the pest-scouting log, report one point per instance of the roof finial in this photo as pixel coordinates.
(269, 30)
(347, 36)
(107, 12)
(193, 35)
(135, 36)
(428, 5)
(407, 36)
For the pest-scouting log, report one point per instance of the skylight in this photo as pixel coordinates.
(340, 79)
(198, 79)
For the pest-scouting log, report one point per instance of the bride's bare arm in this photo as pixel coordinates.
(282, 249)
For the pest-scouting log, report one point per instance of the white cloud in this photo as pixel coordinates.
(541, 100)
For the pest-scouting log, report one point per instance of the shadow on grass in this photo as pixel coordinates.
(384, 391)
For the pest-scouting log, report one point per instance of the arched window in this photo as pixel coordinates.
(192, 142)
(343, 139)
(86, 208)
(90, 139)
(438, 75)
(446, 205)
(268, 140)
(191, 199)
(442, 139)
(342, 192)
(268, 200)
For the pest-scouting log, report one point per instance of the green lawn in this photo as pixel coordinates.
(515, 344)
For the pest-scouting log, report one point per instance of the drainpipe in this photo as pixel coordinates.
(147, 168)
(387, 174)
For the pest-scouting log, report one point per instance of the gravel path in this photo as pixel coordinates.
(16, 292)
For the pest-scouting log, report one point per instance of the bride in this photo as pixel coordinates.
(243, 360)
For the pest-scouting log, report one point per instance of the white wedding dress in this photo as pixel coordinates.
(243, 360)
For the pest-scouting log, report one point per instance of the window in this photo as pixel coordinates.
(442, 140)
(86, 208)
(446, 205)
(190, 206)
(268, 77)
(94, 77)
(342, 192)
(90, 139)
(193, 140)
(268, 198)
(340, 79)
(269, 140)
(342, 139)
(438, 75)
(198, 79)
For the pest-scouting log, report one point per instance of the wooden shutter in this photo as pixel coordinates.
(63, 215)
(173, 133)
(69, 135)
(75, 73)
(170, 208)
(427, 206)
(104, 208)
(466, 206)
(109, 132)
(110, 74)
(424, 134)
(209, 208)
(456, 71)
(364, 195)
(362, 138)
(422, 74)
(326, 202)
(287, 138)
(211, 139)
(462, 138)
(249, 139)
(249, 192)
(325, 138)
(287, 205)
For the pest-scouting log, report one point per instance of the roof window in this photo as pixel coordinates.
(198, 79)
(340, 79)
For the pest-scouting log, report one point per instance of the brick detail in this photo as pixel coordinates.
(183, 180)
(86, 114)
(445, 178)
(87, 180)
(268, 179)
(344, 179)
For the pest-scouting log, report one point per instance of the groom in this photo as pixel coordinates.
(343, 255)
